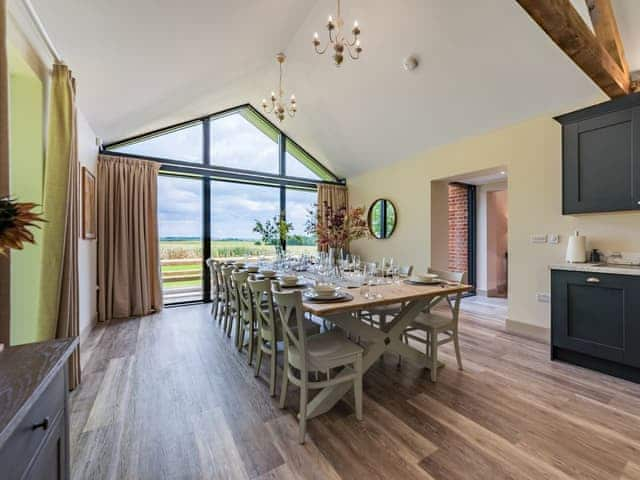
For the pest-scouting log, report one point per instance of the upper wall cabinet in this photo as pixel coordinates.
(601, 157)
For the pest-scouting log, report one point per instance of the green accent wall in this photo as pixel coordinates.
(27, 165)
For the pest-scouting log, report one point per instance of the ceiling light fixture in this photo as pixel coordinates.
(278, 107)
(336, 38)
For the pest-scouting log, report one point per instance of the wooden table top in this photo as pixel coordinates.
(390, 294)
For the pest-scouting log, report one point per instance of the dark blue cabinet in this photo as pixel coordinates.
(595, 321)
(601, 157)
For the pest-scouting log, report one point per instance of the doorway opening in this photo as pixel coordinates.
(469, 229)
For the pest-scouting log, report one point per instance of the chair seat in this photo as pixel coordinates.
(432, 321)
(331, 349)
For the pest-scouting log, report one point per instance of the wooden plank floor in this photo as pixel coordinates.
(167, 396)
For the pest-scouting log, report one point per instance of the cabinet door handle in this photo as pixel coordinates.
(44, 424)
(593, 280)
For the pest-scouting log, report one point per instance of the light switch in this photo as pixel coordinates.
(539, 238)
(554, 238)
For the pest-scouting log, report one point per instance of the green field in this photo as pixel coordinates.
(182, 250)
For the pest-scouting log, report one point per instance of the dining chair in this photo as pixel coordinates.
(245, 318)
(314, 354)
(212, 265)
(228, 299)
(269, 328)
(378, 316)
(436, 324)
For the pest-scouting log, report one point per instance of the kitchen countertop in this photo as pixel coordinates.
(598, 268)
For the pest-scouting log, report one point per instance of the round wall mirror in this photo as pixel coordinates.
(382, 218)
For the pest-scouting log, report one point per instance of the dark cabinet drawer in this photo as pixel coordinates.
(49, 463)
(597, 315)
(34, 429)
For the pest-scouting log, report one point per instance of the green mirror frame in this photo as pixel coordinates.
(382, 218)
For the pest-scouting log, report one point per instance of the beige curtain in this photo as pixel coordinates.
(59, 293)
(334, 196)
(5, 292)
(128, 252)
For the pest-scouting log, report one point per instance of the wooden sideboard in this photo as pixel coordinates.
(34, 410)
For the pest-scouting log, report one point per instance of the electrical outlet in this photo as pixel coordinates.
(543, 297)
(538, 238)
(554, 238)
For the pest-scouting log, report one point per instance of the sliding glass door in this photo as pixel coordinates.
(180, 224)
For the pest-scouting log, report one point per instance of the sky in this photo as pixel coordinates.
(235, 207)
(235, 142)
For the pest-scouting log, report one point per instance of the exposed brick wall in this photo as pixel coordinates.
(458, 228)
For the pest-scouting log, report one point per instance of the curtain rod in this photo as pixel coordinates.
(41, 30)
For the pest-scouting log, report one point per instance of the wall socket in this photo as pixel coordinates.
(543, 297)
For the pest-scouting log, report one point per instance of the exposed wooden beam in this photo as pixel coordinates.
(604, 23)
(565, 27)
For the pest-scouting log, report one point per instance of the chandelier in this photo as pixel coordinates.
(277, 106)
(336, 38)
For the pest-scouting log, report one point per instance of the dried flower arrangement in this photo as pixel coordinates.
(16, 218)
(336, 228)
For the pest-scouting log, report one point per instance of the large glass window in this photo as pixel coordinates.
(300, 210)
(237, 211)
(183, 144)
(180, 229)
(299, 163)
(238, 140)
(244, 178)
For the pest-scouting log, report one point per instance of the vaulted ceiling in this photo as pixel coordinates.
(145, 64)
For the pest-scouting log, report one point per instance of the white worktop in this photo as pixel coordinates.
(596, 268)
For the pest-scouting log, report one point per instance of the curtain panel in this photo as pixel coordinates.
(128, 252)
(59, 310)
(334, 196)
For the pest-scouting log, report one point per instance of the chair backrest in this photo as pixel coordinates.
(456, 277)
(227, 282)
(243, 297)
(292, 315)
(261, 290)
(212, 265)
(405, 270)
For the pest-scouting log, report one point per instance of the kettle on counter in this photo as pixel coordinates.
(577, 249)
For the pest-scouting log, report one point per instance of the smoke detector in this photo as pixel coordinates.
(410, 63)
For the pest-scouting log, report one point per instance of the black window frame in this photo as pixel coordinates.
(206, 172)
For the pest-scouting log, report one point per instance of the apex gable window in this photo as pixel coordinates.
(221, 174)
(182, 144)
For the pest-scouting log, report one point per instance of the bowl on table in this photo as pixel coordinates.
(289, 280)
(324, 290)
(252, 268)
(268, 273)
(238, 264)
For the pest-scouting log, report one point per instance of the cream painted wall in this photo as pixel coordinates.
(532, 153)
(87, 249)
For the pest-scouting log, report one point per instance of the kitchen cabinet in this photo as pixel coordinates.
(601, 157)
(34, 418)
(595, 321)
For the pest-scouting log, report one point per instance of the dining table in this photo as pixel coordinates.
(412, 298)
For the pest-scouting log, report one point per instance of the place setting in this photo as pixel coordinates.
(326, 293)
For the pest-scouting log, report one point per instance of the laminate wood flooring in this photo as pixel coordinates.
(168, 397)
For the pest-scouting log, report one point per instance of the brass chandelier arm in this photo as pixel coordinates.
(321, 51)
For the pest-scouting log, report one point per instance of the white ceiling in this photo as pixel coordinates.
(144, 64)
